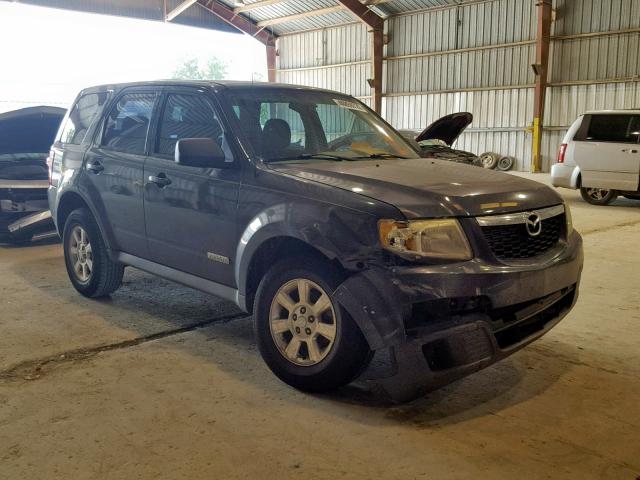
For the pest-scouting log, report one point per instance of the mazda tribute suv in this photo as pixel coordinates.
(309, 211)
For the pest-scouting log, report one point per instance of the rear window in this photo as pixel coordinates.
(128, 122)
(81, 117)
(614, 128)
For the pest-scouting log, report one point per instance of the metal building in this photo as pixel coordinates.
(505, 61)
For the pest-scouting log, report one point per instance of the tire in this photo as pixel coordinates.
(598, 196)
(505, 164)
(336, 362)
(489, 160)
(98, 276)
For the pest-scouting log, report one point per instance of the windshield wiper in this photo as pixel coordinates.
(374, 156)
(309, 156)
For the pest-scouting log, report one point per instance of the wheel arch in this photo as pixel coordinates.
(267, 252)
(72, 200)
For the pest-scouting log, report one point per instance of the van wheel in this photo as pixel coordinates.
(304, 336)
(90, 269)
(598, 196)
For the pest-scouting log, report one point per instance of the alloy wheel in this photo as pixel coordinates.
(597, 193)
(81, 254)
(303, 322)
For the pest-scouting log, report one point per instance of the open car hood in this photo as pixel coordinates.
(29, 130)
(447, 128)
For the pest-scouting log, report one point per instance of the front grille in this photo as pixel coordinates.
(511, 242)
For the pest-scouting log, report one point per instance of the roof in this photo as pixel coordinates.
(230, 84)
(629, 111)
(279, 17)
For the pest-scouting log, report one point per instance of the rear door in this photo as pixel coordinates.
(114, 165)
(607, 152)
(191, 214)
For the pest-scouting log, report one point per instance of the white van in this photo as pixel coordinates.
(600, 155)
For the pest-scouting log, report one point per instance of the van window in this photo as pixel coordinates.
(187, 116)
(127, 125)
(81, 117)
(614, 128)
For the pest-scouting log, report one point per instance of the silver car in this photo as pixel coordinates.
(600, 155)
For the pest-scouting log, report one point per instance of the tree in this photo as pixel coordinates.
(190, 69)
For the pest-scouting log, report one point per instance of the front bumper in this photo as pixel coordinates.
(19, 200)
(442, 322)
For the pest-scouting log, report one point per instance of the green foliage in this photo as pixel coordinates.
(190, 69)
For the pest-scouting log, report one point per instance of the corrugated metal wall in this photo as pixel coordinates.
(478, 58)
(590, 68)
(473, 58)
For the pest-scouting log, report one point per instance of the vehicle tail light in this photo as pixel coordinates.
(563, 150)
(50, 164)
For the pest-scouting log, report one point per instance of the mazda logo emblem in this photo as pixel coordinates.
(534, 225)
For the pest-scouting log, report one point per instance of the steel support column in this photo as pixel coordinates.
(543, 40)
(245, 25)
(376, 27)
(271, 62)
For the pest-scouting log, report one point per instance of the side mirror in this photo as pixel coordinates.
(202, 153)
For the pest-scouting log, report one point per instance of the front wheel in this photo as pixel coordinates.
(304, 336)
(598, 196)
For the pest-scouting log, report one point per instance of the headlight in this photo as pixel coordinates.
(437, 239)
(567, 216)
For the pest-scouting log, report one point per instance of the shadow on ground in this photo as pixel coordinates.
(145, 300)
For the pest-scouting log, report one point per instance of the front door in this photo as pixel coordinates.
(190, 212)
(115, 168)
(609, 155)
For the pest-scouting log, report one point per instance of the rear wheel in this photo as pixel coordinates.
(90, 269)
(304, 336)
(598, 196)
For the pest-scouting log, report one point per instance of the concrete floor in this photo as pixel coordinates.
(164, 382)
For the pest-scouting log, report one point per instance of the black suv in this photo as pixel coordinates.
(307, 209)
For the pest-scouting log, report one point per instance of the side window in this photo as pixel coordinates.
(187, 116)
(127, 125)
(82, 115)
(614, 128)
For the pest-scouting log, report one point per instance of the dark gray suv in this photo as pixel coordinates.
(307, 209)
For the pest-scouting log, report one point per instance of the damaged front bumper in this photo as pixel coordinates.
(22, 207)
(442, 322)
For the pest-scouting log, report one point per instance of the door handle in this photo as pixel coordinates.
(160, 180)
(630, 150)
(94, 167)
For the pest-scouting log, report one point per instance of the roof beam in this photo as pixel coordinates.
(258, 4)
(289, 18)
(363, 13)
(238, 21)
(178, 10)
(376, 24)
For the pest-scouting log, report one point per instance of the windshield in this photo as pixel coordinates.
(304, 125)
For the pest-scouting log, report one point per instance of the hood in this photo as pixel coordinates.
(29, 130)
(423, 188)
(447, 128)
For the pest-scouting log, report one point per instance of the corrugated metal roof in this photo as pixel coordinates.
(194, 16)
(197, 16)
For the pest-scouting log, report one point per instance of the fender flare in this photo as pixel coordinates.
(268, 224)
(107, 237)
